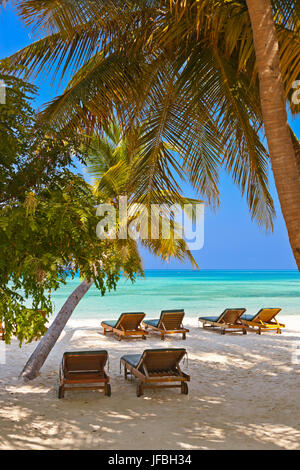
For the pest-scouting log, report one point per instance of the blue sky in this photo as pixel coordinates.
(232, 240)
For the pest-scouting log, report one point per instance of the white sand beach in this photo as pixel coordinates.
(243, 394)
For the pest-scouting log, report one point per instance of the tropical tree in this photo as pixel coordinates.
(112, 160)
(30, 162)
(113, 163)
(43, 239)
(150, 61)
(188, 68)
(48, 226)
(273, 104)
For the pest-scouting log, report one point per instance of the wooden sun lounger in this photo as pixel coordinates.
(170, 322)
(84, 370)
(230, 319)
(128, 325)
(264, 320)
(156, 368)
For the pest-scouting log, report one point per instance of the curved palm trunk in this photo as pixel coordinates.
(40, 354)
(273, 103)
(296, 149)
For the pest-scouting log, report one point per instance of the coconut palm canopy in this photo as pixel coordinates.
(111, 163)
(185, 69)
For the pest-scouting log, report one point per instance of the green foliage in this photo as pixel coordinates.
(26, 324)
(16, 118)
(45, 239)
(30, 153)
(47, 219)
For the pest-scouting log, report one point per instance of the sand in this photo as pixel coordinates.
(243, 394)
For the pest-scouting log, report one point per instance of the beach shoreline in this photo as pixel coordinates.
(243, 394)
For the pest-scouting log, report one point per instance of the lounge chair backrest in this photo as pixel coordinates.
(130, 321)
(161, 359)
(266, 314)
(231, 315)
(85, 361)
(171, 319)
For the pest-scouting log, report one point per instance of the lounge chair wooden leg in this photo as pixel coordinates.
(222, 332)
(107, 390)
(244, 332)
(119, 337)
(61, 392)
(139, 390)
(104, 331)
(125, 372)
(144, 337)
(279, 331)
(184, 388)
(183, 336)
(162, 337)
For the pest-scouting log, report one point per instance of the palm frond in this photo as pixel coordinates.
(185, 69)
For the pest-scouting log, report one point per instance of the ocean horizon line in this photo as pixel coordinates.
(222, 269)
(197, 291)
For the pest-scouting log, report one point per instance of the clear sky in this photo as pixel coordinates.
(232, 240)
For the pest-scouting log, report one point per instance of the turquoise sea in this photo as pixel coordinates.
(198, 292)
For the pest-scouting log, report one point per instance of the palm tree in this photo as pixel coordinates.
(112, 160)
(273, 104)
(189, 97)
(186, 68)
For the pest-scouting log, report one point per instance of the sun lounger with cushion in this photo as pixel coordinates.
(264, 320)
(128, 325)
(84, 370)
(230, 319)
(156, 368)
(170, 322)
